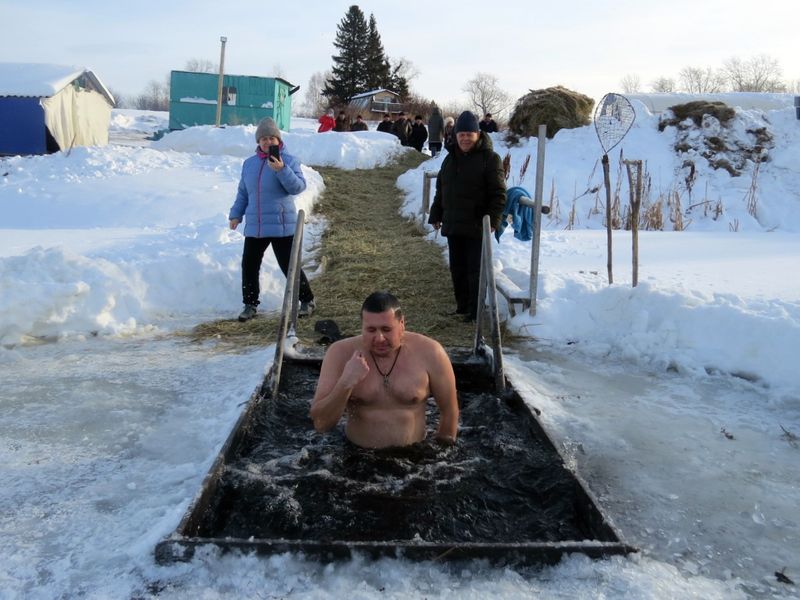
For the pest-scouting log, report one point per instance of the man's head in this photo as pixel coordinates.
(358, 118)
(387, 116)
(382, 323)
(418, 119)
(488, 117)
(401, 115)
(342, 114)
(467, 129)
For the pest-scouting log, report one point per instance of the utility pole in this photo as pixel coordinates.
(222, 39)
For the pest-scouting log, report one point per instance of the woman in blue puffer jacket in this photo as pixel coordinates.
(266, 202)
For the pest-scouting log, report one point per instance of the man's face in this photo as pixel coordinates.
(382, 333)
(467, 140)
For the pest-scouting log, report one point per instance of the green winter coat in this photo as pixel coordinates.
(469, 186)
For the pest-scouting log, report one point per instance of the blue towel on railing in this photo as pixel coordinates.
(521, 216)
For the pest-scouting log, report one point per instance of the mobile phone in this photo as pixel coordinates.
(275, 151)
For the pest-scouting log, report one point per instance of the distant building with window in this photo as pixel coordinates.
(372, 105)
(46, 108)
(245, 99)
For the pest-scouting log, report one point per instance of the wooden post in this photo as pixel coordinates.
(222, 39)
(607, 183)
(537, 218)
(635, 185)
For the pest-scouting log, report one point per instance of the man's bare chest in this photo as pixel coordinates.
(401, 388)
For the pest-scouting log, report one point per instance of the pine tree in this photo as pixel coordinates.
(349, 66)
(377, 66)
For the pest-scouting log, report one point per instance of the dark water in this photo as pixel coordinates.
(502, 482)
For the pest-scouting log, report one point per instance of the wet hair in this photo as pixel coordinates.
(378, 302)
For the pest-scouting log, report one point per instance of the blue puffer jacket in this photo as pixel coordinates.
(266, 199)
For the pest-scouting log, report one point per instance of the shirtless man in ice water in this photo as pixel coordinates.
(382, 380)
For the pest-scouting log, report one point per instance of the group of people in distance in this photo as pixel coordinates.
(382, 390)
(439, 131)
(327, 122)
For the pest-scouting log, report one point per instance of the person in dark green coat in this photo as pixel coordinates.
(471, 184)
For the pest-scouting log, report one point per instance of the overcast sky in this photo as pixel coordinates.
(585, 45)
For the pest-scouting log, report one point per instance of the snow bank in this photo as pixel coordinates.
(713, 298)
(351, 150)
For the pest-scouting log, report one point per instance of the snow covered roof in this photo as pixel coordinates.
(372, 93)
(39, 80)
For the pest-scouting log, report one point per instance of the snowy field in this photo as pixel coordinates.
(109, 421)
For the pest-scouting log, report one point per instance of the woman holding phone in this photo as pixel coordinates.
(265, 199)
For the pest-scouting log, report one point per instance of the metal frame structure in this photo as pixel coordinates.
(182, 543)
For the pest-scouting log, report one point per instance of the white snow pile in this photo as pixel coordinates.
(721, 296)
(107, 440)
(142, 121)
(110, 240)
(351, 150)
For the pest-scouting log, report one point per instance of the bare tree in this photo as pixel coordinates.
(120, 101)
(402, 67)
(201, 65)
(454, 108)
(663, 85)
(486, 96)
(760, 73)
(793, 86)
(155, 97)
(696, 80)
(631, 83)
(277, 71)
(314, 102)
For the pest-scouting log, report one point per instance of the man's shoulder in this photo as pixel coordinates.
(422, 343)
(343, 347)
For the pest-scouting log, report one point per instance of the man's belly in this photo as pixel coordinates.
(384, 427)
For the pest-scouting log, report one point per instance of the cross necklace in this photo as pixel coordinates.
(389, 372)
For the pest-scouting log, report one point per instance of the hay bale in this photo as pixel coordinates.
(695, 110)
(557, 107)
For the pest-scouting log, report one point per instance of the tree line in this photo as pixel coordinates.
(760, 73)
(361, 65)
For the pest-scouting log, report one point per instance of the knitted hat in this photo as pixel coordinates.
(267, 128)
(467, 121)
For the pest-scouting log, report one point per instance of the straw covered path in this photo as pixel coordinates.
(366, 246)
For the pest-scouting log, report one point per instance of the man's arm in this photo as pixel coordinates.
(337, 378)
(443, 389)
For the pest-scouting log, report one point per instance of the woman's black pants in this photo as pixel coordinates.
(252, 256)
(465, 270)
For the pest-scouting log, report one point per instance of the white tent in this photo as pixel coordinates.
(76, 104)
